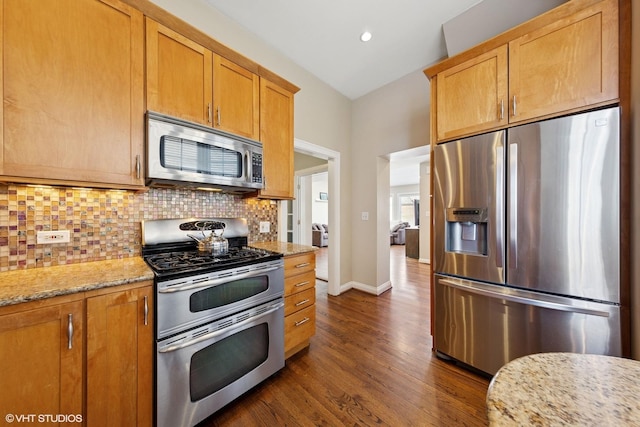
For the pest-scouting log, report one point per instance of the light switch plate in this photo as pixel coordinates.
(265, 226)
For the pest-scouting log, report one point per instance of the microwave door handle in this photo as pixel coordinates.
(248, 166)
(216, 282)
(219, 332)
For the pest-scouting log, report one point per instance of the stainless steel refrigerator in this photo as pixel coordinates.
(527, 241)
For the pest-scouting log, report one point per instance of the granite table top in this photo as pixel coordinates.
(284, 248)
(551, 389)
(33, 284)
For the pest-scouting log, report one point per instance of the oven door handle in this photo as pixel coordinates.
(216, 282)
(222, 331)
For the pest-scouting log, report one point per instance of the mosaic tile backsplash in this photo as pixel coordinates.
(105, 224)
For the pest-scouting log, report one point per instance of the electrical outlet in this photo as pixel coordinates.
(50, 237)
(365, 216)
(265, 226)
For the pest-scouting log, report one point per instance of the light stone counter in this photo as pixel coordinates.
(552, 389)
(284, 248)
(46, 282)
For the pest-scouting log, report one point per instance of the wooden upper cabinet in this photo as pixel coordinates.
(472, 97)
(41, 356)
(186, 80)
(568, 65)
(559, 63)
(179, 75)
(120, 358)
(276, 134)
(73, 92)
(236, 95)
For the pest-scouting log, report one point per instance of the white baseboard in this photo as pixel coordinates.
(424, 260)
(373, 290)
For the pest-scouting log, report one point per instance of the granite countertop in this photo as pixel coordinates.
(46, 282)
(565, 389)
(284, 248)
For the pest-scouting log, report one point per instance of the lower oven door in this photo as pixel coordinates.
(202, 370)
(192, 301)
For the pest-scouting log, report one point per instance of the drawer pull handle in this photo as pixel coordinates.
(303, 321)
(70, 331)
(303, 302)
(146, 310)
(304, 264)
(297, 285)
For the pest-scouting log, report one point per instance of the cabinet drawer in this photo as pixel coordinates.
(299, 327)
(299, 283)
(297, 302)
(297, 264)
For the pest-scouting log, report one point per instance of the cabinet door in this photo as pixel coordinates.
(570, 64)
(276, 134)
(120, 358)
(472, 97)
(236, 95)
(41, 360)
(73, 91)
(179, 75)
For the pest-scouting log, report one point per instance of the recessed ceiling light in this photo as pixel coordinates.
(366, 36)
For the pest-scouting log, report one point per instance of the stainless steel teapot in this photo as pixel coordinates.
(214, 243)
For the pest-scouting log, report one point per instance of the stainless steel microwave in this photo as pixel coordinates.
(186, 154)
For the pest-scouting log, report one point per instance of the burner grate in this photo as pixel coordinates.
(184, 261)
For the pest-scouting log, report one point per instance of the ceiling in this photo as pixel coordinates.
(323, 37)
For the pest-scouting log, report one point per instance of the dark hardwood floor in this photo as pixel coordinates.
(370, 363)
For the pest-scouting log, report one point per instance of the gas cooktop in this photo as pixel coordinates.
(191, 261)
(170, 251)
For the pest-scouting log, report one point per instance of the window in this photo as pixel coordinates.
(408, 207)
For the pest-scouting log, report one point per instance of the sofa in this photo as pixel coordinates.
(319, 235)
(397, 233)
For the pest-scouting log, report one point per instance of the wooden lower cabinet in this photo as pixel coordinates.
(41, 355)
(299, 301)
(120, 358)
(87, 355)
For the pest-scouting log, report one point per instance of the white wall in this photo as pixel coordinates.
(322, 115)
(319, 208)
(425, 212)
(391, 119)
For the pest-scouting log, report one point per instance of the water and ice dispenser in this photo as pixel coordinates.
(466, 230)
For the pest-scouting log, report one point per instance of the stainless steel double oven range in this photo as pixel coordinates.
(219, 318)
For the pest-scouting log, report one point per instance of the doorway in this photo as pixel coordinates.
(301, 211)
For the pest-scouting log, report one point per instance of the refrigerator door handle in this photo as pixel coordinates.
(514, 297)
(513, 206)
(499, 206)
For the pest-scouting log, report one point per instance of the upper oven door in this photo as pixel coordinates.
(191, 301)
(191, 154)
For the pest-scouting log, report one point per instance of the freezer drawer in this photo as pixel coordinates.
(486, 326)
